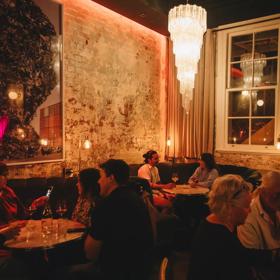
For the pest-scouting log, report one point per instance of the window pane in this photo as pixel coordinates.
(240, 45)
(263, 103)
(246, 66)
(238, 131)
(239, 102)
(266, 42)
(262, 132)
(269, 73)
(236, 76)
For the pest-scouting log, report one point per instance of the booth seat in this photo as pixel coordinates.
(65, 188)
(185, 170)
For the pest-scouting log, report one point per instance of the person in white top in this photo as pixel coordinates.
(206, 173)
(262, 227)
(149, 171)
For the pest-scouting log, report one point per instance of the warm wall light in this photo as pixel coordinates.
(87, 144)
(187, 24)
(168, 142)
(13, 95)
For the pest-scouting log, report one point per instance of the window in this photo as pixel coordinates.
(247, 86)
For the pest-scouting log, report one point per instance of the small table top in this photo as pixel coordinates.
(187, 190)
(32, 236)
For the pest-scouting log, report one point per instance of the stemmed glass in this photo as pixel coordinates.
(31, 209)
(61, 208)
(175, 177)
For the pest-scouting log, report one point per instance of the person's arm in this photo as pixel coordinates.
(213, 174)
(162, 186)
(9, 232)
(145, 173)
(249, 236)
(194, 178)
(92, 248)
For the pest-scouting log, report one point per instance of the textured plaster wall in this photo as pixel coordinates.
(114, 89)
(262, 162)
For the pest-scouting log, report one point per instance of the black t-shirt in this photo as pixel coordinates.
(218, 255)
(122, 223)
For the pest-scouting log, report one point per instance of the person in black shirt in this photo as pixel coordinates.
(217, 253)
(120, 238)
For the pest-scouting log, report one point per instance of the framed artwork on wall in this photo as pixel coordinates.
(31, 107)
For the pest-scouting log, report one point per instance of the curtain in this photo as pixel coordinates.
(193, 133)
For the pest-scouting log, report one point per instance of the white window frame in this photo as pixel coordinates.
(223, 35)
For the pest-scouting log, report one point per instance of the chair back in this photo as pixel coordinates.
(163, 269)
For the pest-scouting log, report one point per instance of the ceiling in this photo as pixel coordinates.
(154, 13)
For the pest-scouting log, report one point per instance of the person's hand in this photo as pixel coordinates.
(193, 184)
(11, 231)
(39, 202)
(170, 186)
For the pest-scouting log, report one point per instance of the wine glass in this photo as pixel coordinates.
(175, 177)
(31, 209)
(61, 208)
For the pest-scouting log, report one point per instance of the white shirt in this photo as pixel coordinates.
(149, 172)
(259, 231)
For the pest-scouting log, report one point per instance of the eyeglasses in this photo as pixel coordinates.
(237, 193)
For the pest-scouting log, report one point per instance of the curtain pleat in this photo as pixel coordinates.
(193, 133)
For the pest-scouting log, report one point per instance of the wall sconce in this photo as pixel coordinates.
(86, 144)
(168, 142)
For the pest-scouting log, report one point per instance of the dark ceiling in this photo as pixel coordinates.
(154, 13)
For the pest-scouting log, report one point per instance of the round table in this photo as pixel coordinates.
(31, 236)
(187, 190)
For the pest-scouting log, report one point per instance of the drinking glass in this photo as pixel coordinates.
(30, 228)
(61, 208)
(30, 211)
(174, 177)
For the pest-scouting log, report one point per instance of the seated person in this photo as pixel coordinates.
(206, 173)
(88, 189)
(149, 171)
(262, 226)
(217, 252)
(10, 268)
(121, 236)
(11, 207)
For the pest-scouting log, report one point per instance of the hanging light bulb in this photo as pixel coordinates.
(87, 144)
(168, 142)
(187, 24)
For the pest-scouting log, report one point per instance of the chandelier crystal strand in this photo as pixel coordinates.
(246, 65)
(186, 24)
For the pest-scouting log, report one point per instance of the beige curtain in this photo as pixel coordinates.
(192, 134)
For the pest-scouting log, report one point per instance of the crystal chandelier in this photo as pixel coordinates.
(186, 24)
(246, 65)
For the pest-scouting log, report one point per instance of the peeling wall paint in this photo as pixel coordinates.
(114, 89)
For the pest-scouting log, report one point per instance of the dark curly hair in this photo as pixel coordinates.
(149, 155)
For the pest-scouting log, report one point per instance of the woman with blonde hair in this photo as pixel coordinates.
(217, 252)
